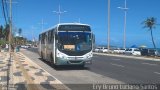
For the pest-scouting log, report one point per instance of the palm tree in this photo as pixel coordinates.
(1, 29)
(150, 23)
(19, 31)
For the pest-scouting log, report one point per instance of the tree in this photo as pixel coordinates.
(1, 29)
(150, 23)
(19, 31)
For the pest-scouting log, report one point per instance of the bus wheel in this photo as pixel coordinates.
(51, 57)
(56, 66)
(81, 66)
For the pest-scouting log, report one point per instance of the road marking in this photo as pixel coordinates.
(116, 59)
(150, 64)
(157, 73)
(116, 65)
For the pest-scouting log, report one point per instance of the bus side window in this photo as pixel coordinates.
(52, 37)
(43, 38)
(56, 36)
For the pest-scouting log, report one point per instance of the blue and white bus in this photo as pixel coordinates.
(67, 44)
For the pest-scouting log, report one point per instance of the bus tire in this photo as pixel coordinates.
(81, 66)
(56, 66)
(51, 57)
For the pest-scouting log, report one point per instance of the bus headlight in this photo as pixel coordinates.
(61, 55)
(89, 55)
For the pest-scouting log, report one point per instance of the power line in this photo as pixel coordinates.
(7, 11)
(3, 11)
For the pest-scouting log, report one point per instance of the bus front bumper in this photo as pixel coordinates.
(61, 61)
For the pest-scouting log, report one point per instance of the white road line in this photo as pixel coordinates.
(157, 73)
(116, 59)
(150, 64)
(116, 65)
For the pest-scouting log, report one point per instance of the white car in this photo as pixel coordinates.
(133, 51)
(104, 50)
(157, 53)
(25, 46)
(97, 49)
(116, 50)
(122, 51)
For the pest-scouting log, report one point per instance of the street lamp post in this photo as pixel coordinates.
(59, 12)
(108, 25)
(42, 23)
(125, 15)
(33, 38)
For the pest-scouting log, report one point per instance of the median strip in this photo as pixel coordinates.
(125, 56)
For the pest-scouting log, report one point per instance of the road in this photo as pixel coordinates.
(105, 69)
(128, 70)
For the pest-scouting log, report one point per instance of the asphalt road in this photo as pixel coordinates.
(127, 70)
(105, 69)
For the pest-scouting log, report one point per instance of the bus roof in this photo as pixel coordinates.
(57, 25)
(72, 24)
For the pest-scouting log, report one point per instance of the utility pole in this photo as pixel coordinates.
(108, 25)
(33, 28)
(10, 24)
(125, 15)
(59, 12)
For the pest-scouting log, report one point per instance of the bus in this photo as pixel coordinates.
(67, 44)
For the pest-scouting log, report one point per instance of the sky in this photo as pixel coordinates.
(28, 14)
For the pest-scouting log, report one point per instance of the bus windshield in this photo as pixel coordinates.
(74, 43)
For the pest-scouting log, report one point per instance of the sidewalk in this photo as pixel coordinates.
(20, 73)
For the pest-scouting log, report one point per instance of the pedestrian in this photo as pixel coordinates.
(0, 48)
(7, 47)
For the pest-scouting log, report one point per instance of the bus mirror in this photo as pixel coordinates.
(93, 38)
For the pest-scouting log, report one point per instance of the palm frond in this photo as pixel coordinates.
(149, 23)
